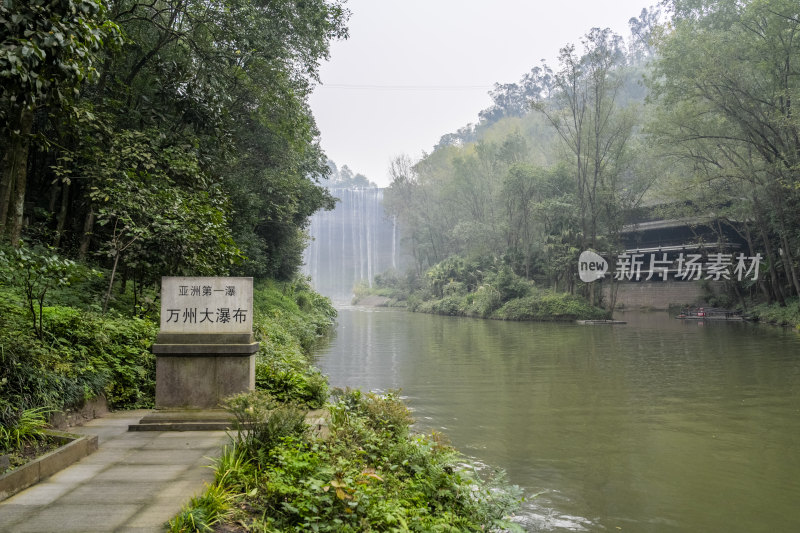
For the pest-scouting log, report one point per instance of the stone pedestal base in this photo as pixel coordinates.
(202, 381)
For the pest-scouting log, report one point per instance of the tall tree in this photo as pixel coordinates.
(213, 98)
(596, 130)
(726, 81)
(49, 49)
(584, 111)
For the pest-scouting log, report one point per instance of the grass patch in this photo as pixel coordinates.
(25, 439)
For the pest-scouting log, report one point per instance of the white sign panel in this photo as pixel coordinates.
(636, 266)
(591, 266)
(206, 305)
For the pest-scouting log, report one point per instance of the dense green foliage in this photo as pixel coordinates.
(549, 171)
(130, 129)
(480, 288)
(81, 354)
(723, 86)
(58, 349)
(28, 428)
(788, 315)
(547, 305)
(289, 321)
(149, 139)
(142, 139)
(369, 474)
(343, 178)
(24, 436)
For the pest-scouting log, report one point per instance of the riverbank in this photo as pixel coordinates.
(537, 305)
(456, 287)
(788, 315)
(371, 472)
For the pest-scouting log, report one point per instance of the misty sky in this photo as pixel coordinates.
(414, 70)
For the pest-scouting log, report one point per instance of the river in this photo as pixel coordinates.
(658, 425)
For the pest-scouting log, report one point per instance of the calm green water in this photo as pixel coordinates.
(657, 425)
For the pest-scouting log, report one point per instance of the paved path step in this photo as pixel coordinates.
(185, 420)
(134, 483)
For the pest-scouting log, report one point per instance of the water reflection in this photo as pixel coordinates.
(657, 425)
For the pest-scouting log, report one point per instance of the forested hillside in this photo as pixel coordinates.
(692, 114)
(552, 168)
(163, 137)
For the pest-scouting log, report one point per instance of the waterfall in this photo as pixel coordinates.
(352, 243)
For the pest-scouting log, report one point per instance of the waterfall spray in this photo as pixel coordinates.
(350, 244)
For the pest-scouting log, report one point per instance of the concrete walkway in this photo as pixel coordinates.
(135, 482)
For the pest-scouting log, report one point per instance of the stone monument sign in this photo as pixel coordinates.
(205, 349)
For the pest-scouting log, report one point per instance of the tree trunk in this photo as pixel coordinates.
(55, 193)
(6, 181)
(15, 177)
(111, 281)
(763, 286)
(773, 274)
(62, 214)
(789, 260)
(613, 290)
(86, 238)
(786, 252)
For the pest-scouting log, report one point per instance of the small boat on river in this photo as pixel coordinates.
(709, 313)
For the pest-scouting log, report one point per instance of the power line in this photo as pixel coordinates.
(366, 87)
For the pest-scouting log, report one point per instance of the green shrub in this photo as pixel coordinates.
(414, 303)
(28, 427)
(282, 365)
(82, 355)
(111, 353)
(203, 511)
(789, 315)
(510, 285)
(370, 474)
(382, 413)
(35, 272)
(549, 306)
(454, 288)
(485, 287)
(262, 422)
(449, 305)
(485, 301)
(277, 303)
(286, 335)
